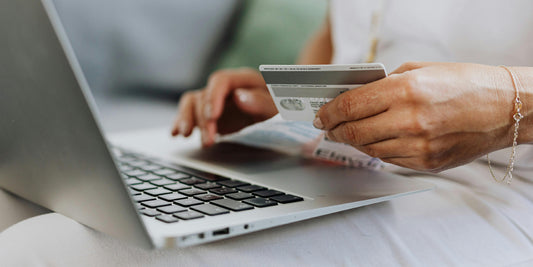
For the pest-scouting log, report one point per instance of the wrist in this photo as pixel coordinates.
(521, 81)
(524, 75)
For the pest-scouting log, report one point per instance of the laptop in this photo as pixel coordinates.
(146, 188)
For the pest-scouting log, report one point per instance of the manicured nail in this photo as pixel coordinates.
(174, 132)
(318, 123)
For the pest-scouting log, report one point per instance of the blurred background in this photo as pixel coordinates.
(139, 56)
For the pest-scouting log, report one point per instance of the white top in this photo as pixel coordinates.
(477, 31)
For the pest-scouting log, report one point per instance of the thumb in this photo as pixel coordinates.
(256, 102)
(408, 66)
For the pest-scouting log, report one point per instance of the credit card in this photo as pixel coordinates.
(300, 90)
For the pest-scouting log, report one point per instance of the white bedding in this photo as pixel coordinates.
(468, 220)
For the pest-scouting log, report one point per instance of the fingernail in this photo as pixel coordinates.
(174, 132)
(207, 111)
(318, 123)
(204, 137)
(328, 136)
(243, 97)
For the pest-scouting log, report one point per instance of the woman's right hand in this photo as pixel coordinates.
(232, 100)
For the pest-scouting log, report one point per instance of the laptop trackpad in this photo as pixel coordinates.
(301, 176)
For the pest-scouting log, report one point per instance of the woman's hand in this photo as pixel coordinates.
(232, 100)
(426, 116)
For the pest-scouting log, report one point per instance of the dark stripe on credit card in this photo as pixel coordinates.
(323, 77)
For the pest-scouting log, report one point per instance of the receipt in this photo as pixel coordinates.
(301, 138)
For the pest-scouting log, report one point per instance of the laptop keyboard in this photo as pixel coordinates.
(170, 195)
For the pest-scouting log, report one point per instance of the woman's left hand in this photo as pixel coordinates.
(426, 116)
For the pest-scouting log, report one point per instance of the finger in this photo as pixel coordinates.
(199, 117)
(418, 164)
(411, 66)
(256, 102)
(362, 102)
(384, 126)
(411, 163)
(393, 148)
(222, 83)
(185, 121)
(209, 134)
(209, 126)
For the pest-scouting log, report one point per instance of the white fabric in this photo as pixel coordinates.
(468, 220)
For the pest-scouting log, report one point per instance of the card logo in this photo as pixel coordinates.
(292, 104)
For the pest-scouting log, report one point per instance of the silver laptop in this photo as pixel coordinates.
(52, 152)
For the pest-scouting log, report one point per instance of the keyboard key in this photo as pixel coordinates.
(143, 186)
(213, 177)
(210, 209)
(141, 198)
(125, 168)
(192, 192)
(176, 187)
(172, 197)
(150, 212)
(155, 203)
(133, 192)
(163, 181)
(207, 197)
(139, 206)
(164, 171)
(268, 193)
(251, 188)
(188, 215)
(171, 209)
(260, 202)
(148, 177)
(188, 202)
(151, 167)
(232, 204)
(157, 191)
(240, 196)
(208, 185)
(177, 176)
(286, 199)
(132, 181)
(232, 183)
(138, 163)
(167, 218)
(135, 172)
(223, 190)
(192, 180)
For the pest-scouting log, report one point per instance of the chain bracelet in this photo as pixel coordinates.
(516, 117)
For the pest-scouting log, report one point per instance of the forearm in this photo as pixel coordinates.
(525, 77)
(319, 48)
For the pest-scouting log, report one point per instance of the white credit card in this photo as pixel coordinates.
(300, 90)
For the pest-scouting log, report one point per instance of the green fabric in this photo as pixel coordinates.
(272, 32)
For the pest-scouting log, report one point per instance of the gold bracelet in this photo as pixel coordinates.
(517, 117)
